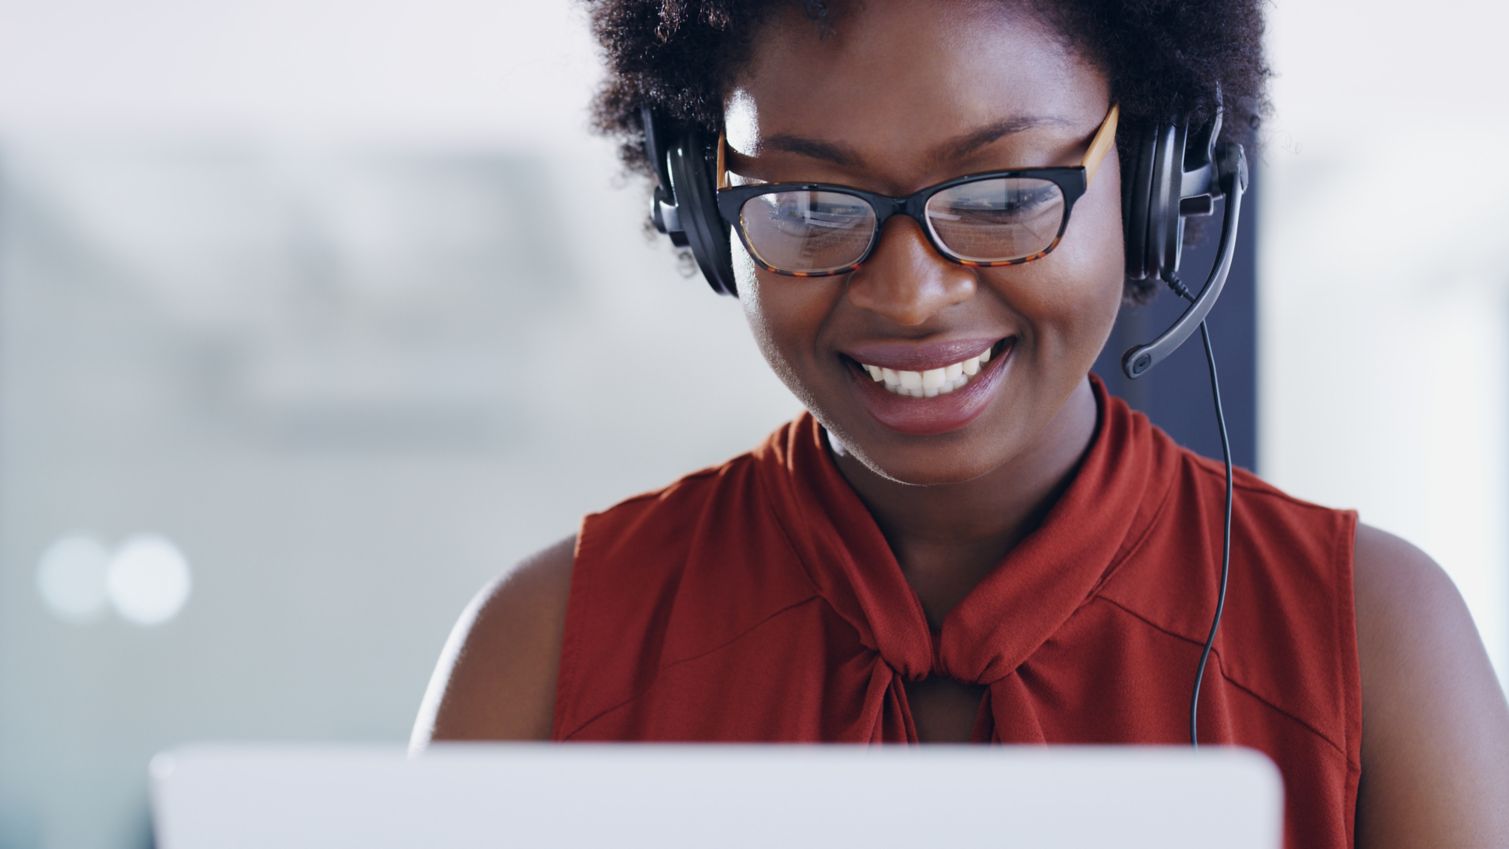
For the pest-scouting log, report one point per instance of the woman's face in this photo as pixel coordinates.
(881, 102)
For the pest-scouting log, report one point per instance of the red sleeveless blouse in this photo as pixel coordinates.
(759, 601)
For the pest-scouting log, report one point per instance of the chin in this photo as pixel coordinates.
(940, 460)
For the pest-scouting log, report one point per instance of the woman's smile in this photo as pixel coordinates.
(924, 389)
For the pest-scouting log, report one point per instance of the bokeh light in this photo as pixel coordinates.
(148, 579)
(71, 577)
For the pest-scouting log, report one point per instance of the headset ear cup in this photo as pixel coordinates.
(697, 205)
(655, 135)
(1154, 228)
(1135, 202)
(1165, 224)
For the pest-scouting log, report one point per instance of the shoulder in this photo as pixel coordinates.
(661, 516)
(646, 542)
(1412, 624)
(1289, 580)
(496, 675)
(1394, 580)
(1435, 743)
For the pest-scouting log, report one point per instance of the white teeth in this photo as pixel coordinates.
(932, 379)
(932, 382)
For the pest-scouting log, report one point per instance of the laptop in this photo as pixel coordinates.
(638, 796)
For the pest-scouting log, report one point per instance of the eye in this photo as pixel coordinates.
(818, 213)
(999, 201)
(1016, 204)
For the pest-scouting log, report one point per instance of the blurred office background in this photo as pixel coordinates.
(315, 316)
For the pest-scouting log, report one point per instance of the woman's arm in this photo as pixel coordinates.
(1435, 725)
(496, 676)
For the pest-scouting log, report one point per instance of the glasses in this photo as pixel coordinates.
(984, 220)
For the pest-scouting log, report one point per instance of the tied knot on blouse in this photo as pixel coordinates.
(1018, 606)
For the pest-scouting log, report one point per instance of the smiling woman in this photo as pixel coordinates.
(965, 537)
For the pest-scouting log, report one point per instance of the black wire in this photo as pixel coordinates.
(1215, 391)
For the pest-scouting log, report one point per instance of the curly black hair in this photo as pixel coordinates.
(1162, 58)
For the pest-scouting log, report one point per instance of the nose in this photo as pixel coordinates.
(906, 280)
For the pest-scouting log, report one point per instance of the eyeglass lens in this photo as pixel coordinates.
(996, 220)
(807, 231)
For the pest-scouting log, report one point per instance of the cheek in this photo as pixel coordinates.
(1068, 300)
(760, 311)
(785, 315)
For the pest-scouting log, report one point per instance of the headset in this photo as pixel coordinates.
(1176, 171)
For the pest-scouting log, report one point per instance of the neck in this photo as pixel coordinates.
(964, 529)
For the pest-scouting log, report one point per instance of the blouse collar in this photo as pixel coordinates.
(1096, 522)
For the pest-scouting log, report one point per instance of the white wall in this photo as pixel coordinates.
(1384, 289)
(295, 285)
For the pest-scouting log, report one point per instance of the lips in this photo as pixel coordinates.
(929, 382)
(926, 396)
(914, 357)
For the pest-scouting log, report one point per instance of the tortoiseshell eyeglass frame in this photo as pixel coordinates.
(1072, 181)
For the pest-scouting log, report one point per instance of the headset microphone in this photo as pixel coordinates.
(1232, 166)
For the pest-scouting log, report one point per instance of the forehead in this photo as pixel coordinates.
(893, 78)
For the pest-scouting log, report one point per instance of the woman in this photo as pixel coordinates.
(966, 538)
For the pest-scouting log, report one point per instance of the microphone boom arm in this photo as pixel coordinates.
(1233, 176)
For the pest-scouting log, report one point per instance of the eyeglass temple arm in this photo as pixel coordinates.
(722, 161)
(1104, 139)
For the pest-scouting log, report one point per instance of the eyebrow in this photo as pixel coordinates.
(954, 148)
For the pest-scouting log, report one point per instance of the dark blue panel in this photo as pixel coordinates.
(1176, 394)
